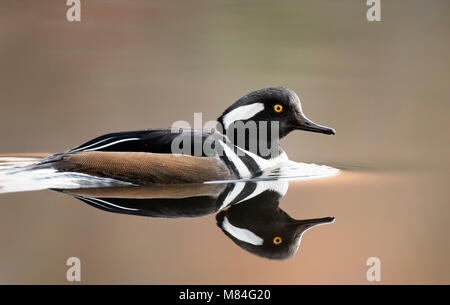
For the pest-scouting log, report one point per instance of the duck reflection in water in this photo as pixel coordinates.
(248, 212)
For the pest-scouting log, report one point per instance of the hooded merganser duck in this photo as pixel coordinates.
(249, 212)
(148, 156)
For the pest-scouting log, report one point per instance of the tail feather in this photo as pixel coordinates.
(25, 172)
(19, 160)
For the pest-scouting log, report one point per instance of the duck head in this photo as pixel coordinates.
(275, 104)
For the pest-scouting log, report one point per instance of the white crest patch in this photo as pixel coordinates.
(242, 113)
(242, 234)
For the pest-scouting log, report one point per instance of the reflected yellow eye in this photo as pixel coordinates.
(278, 108)
(277, 240)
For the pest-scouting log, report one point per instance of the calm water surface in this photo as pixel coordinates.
(128, 66)
(385, 214)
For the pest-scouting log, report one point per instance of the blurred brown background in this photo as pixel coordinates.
(384, 87)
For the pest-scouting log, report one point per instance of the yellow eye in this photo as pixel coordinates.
(278, 108)
(277, 240)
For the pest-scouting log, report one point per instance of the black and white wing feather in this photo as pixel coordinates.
(149, 140)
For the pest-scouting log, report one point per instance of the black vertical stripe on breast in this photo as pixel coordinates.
(230, 165)
(249, 162)
(246, 191)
